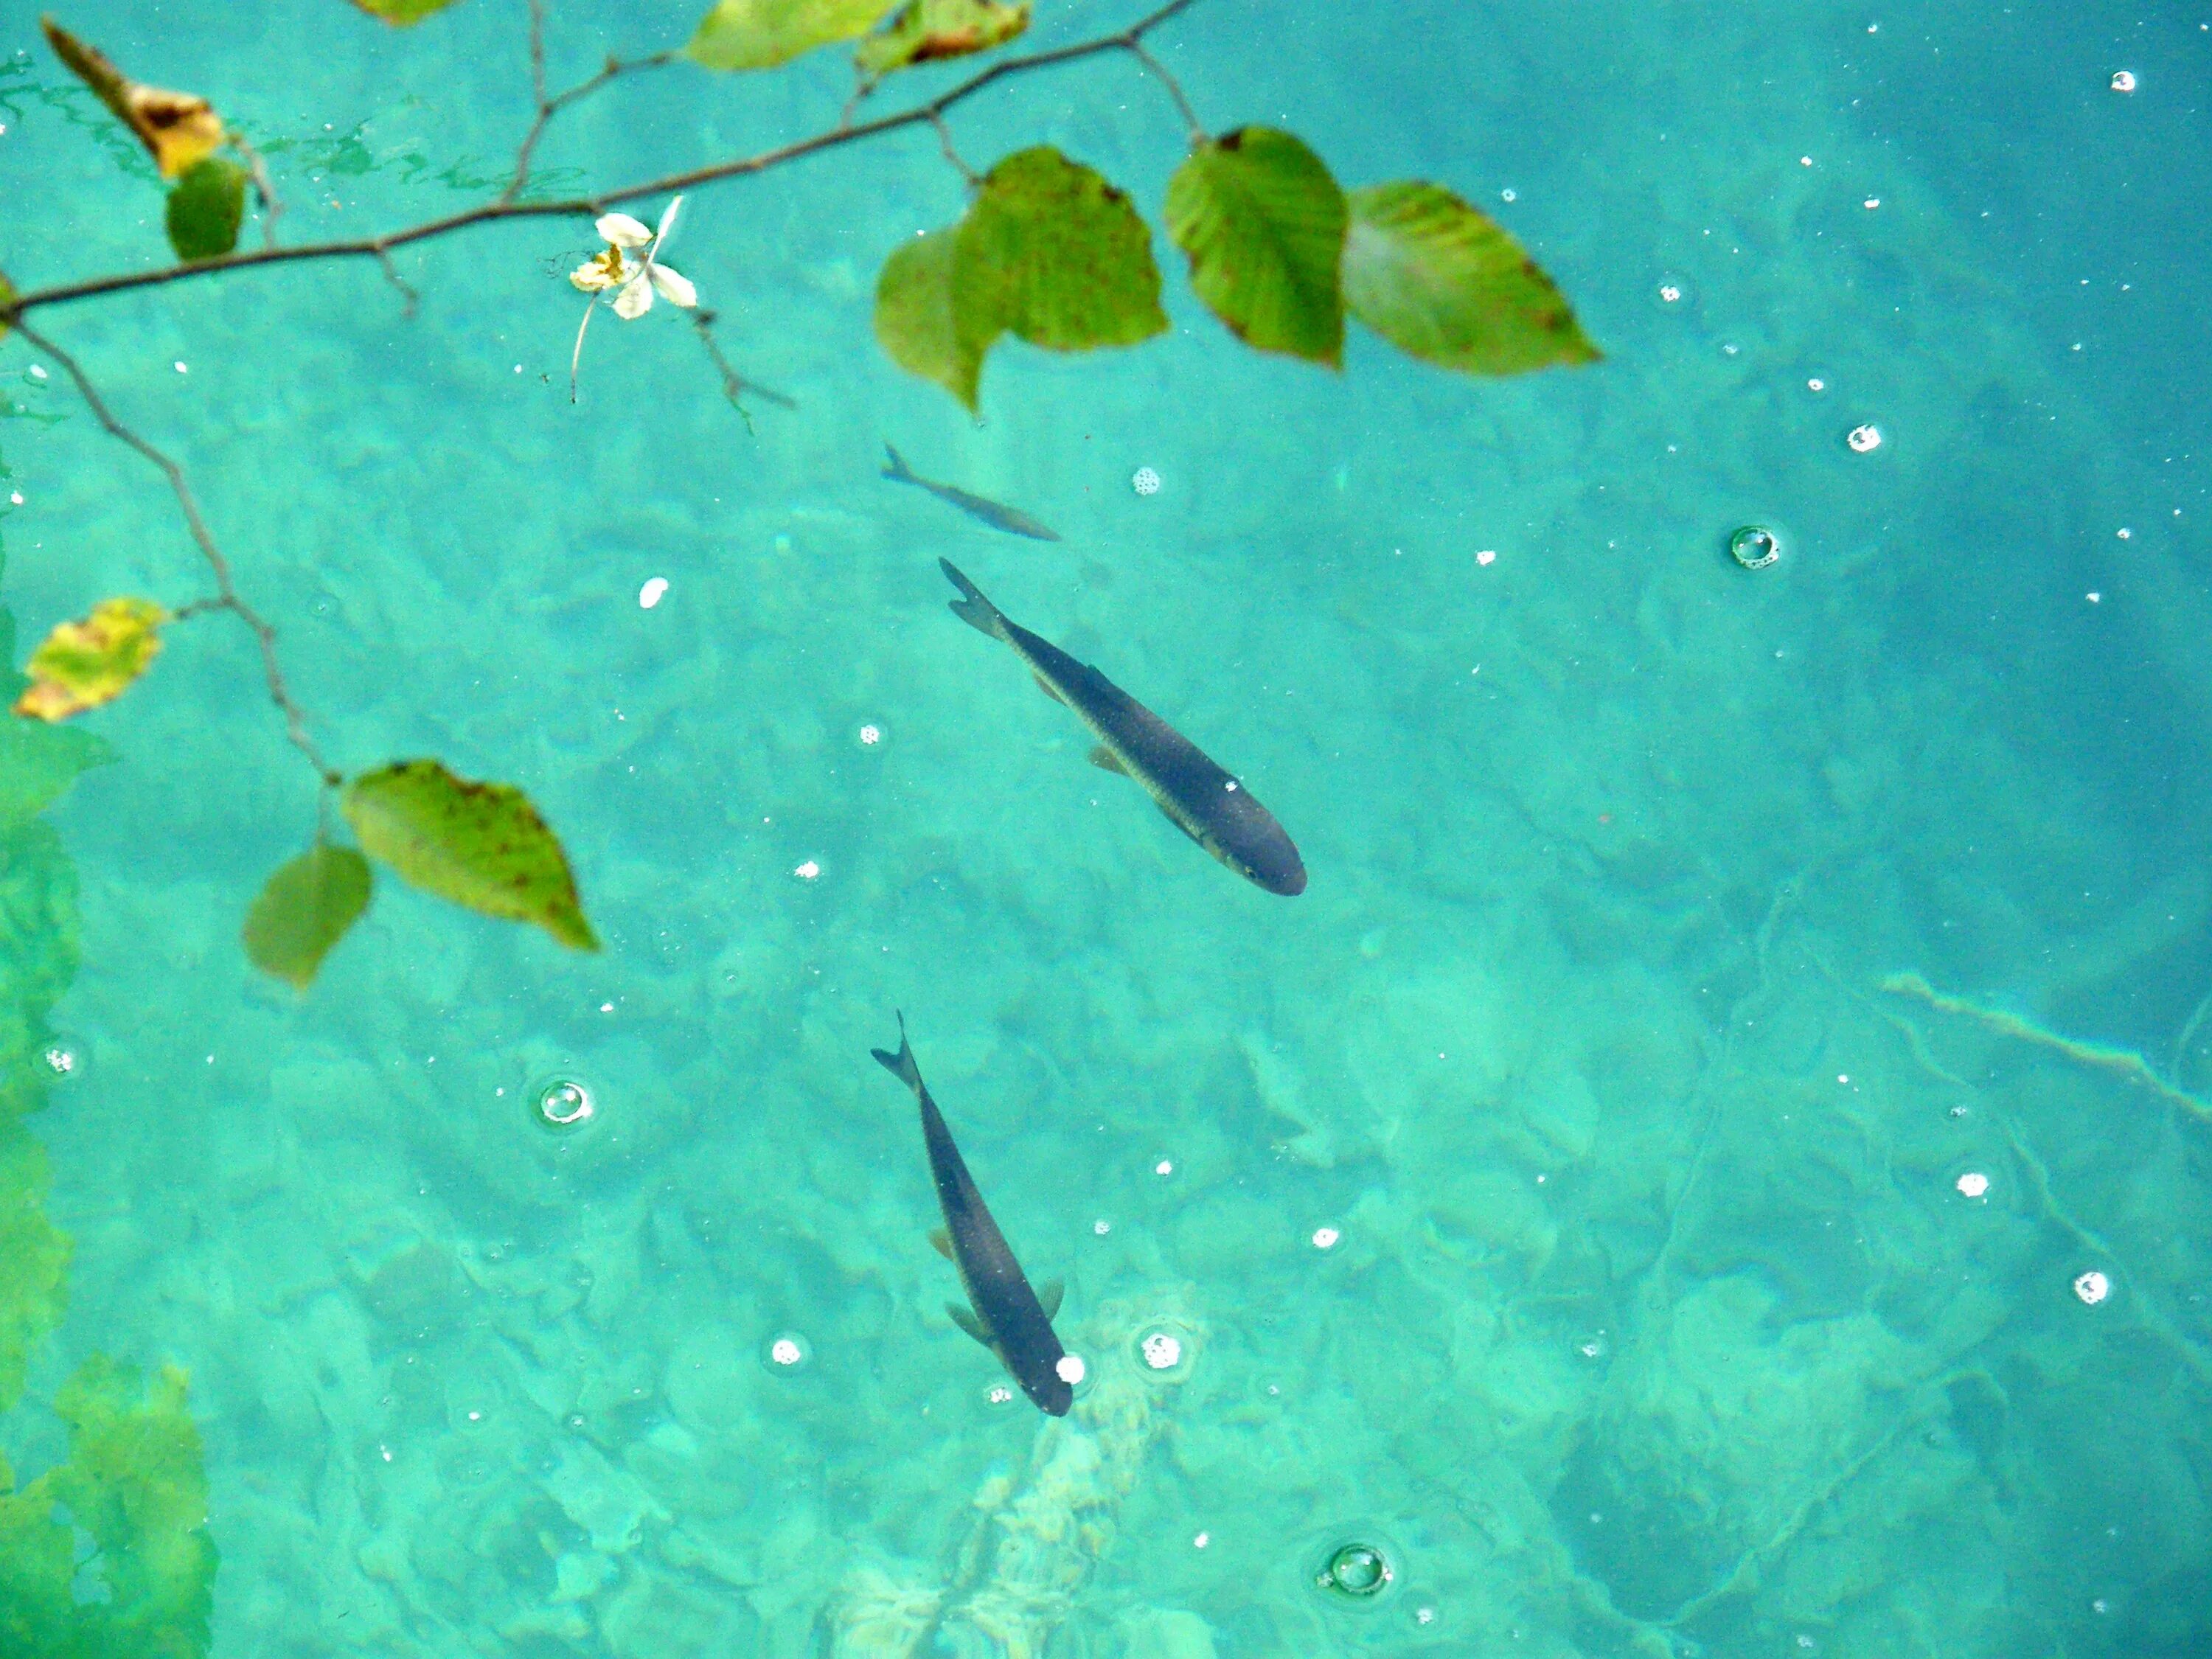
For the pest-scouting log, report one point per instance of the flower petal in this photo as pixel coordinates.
(591, 276)
(677, 290)
(636, 298)
(667, 219)
(623, 231)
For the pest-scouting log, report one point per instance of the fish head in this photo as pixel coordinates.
(1049, 1392)
(1244, 835)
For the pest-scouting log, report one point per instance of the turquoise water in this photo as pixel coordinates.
(1679, 937)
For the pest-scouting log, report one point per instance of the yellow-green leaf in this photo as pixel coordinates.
(206, 207)
(749, 34)
(920, 325)
(1437, 278)
(1263, 224)
(480, 845)
(7, 299)
(304, 910)
(402, 14)
(1059, 256)
(177, 128)
(927, 30)
(82, 665)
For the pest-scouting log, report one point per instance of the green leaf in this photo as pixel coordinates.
(1050, 252)
(749, 34)
(926, 31)
(206, 207)
(480, 845)
(1438, 279)
(135, 1481)
(304, 910)
(82, 665)
(402, 14)
(1263, 224)
(918, 323)
(1059, 256)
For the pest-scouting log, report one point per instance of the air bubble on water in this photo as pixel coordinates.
(562, 1102)
(1355, 1571)
(62, 1059)
(789, 1351)
(1144, 481)
(2093, 1287)
(2123, 81)
(1325, 1238)
(1864, 439)
(1973, 1183)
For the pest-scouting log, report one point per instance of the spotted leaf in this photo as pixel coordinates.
(480, 845)
(925, 31)
(82, 665)
(751, 34)
(1438, 279)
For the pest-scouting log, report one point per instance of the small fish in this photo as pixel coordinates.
(1200, 799)
(1012, 521)
(1010, 1319)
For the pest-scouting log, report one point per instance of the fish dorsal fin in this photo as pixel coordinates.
(1106, 760)
(1050, 1294)
(1181, 825)
(941, 1242)
(1047, 687)
(968, 1321)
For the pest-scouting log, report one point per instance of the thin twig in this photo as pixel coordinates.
(538, 53)
(974, 180)
(733, 383)
(296, 720)
(407, 293)
(613, 69)
(1174, 90)
(590, 207)
(273, 209)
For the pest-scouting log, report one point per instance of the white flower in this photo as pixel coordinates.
(634, 281)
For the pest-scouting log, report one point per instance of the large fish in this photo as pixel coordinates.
(1010, 1319)
(997, 514)
(1200, 799)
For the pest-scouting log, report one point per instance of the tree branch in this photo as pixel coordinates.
(506, 207)
(228, 598)
(1159, 72)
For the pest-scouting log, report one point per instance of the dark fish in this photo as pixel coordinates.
(1200, 799)
(1010, 1319)
(1012, 521)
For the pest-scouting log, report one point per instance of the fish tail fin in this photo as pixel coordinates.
(972, 607)
(898, 468)
(901, 1065)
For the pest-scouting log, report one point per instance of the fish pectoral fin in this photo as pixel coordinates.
(1050, 1294)
(968, 1321)
(1106, 760)
(941, 1242)
(1181, 825)
(1046, 686)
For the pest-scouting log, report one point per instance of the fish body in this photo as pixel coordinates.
(1202, 799)
(1009, 1318)
(997, 514)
